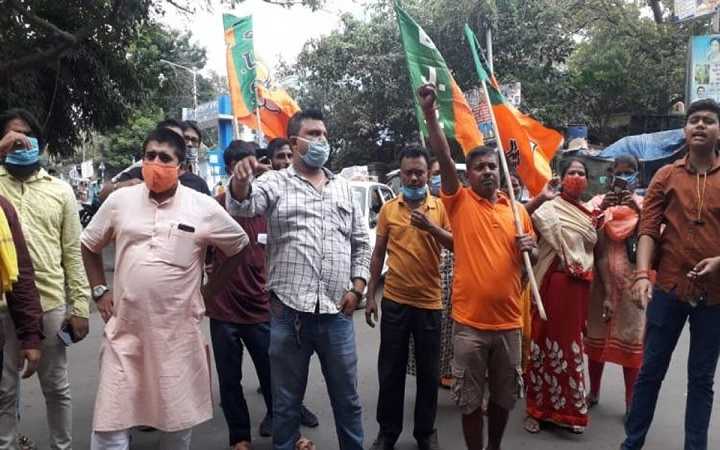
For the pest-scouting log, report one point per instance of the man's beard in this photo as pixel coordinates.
(22, 172)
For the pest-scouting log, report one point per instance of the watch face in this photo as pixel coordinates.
(99, 291)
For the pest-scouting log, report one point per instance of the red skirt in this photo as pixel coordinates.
(555, 376)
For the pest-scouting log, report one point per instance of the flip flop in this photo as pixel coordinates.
(304, 444)
(531, 425)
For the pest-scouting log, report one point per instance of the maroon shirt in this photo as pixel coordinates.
(244, 299)
(23, 301)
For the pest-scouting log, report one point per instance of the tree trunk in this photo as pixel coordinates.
(657, 10)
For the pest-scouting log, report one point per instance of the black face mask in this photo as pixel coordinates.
(22, 172)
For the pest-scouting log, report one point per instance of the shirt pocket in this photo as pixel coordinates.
(179, 249)
(342, 216)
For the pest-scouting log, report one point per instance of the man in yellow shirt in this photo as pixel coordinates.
(51, 223)
(411, 230)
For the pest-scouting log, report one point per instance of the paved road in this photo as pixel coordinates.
(605, 431)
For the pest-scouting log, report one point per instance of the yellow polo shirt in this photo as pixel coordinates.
(413, 255)
(50, 221)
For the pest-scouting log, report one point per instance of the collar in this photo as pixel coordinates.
(428, 203)
(683, 162)
(40, 175)
(294, 173)
(502, 198)
(169, 201)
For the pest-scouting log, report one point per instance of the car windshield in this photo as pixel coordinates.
(359, 196)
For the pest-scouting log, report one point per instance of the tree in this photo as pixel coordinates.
(579, 61)
(358, 73)
(68, 68)
(628, 64)
(67, 62)
(165, 89)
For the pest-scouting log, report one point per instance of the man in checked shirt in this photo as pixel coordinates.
(318, 259)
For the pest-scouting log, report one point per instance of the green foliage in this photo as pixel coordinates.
(71, 62)
(65, 62)
(122, 145)
(578, 62)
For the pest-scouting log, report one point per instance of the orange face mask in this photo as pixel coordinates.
(159, 177)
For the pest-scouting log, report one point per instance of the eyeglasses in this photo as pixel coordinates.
(163, 157)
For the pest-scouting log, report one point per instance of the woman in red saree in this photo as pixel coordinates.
(555, 377)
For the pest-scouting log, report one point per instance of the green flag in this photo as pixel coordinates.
(240, 64)
(426, 65)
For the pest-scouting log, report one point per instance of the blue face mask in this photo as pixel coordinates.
(435, 184)
(317, 153)
(25, 156)
(631, 180)
(414, 193)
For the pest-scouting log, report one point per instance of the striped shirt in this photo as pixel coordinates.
(317, 240)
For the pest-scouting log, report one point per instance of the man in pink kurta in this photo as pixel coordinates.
(154, 369)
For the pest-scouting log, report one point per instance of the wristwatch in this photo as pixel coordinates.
(98, 291)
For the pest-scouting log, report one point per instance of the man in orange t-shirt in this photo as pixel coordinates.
(487, 284)
(411, 229)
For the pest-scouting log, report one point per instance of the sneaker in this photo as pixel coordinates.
(266, 427)
(307, 418)
(381, 444)
(429, 442)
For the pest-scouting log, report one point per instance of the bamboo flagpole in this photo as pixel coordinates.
(259, 135)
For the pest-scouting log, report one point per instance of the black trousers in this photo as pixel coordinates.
(397, 323)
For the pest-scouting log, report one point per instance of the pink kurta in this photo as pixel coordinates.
(154, 368)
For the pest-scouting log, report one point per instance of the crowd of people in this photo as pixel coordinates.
(279, 260)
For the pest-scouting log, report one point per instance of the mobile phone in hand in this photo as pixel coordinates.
(619, 185)
(66, 334)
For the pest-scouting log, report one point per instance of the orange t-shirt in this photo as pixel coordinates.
(487, 284)
(413, 276)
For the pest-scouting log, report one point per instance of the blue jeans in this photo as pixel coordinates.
(227, 340)
(666, 317)
(294, 336)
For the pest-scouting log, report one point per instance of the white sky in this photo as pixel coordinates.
(279, 32)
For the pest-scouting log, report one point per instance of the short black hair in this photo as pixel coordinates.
(477, 152)
(171, 123)
(27, 117)
(194, 126)
(706, 104)
(630, 160)
(275, 145)
(566, 163)
(167, 136)
(414, 152)
(297, 119)
(238, 150)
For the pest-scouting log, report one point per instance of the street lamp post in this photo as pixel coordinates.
(194, 73)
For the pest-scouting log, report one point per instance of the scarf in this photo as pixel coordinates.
(8, 257)
(567, 232)
(618, 222)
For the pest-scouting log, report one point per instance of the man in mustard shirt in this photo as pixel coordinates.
(49, 215)
(411, 230)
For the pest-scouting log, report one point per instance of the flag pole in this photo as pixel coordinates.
(259, 136)
(516, 216)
